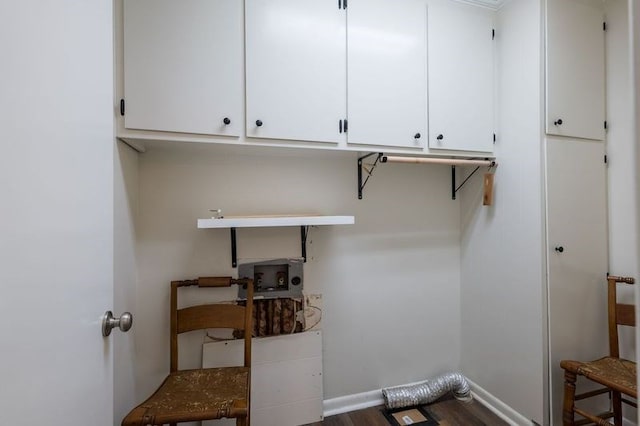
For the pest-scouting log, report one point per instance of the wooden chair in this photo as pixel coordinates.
(617, 375)
(202, 394)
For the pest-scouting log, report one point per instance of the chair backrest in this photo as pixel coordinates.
(213, 315)
(619, 313)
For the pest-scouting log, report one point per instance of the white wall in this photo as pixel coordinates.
(624, 256)
(623, 229)
(390, 283)
(125, 183)
(634, 20)
(502, 245)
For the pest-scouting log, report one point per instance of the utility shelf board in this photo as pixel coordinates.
(274, 221)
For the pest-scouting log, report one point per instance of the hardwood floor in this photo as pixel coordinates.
(448, 412)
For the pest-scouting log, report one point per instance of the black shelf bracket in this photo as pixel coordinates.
(454, 188)
(234, 251)
(304, 233)
(368, 171)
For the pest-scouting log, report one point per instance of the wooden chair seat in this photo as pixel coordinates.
(615, 373)
(194, 395)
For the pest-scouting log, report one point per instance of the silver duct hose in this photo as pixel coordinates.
(427, 391)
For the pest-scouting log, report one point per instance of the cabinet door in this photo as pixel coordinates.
(461, 77)
(387, 72)
(577, 228)
(183, 65)
(296, 69)
(575, 68)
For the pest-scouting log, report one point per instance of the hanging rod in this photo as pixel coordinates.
(453, 162)
(447, 161)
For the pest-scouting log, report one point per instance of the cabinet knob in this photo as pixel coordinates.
(558, 122)
(440, 137)
(226, 121)
(417, 135)
(559, 249)
(259, 123)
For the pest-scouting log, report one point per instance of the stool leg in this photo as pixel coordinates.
(569, 398)
(617, 408)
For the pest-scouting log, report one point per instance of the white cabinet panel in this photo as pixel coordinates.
(575, 68)
(461, 77)
(296, 69)
(286, 377)
(387, 72)
(577, 228)
(183, 65)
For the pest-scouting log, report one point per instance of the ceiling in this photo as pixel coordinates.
(494, 4)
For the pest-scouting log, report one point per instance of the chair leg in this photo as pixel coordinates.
(242, 421)
(568, 418)
(617, 408)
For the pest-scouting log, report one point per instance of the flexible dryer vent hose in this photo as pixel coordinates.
(427, 391)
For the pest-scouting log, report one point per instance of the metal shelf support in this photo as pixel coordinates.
(234, 251)
(304, 233)
(455, 189)
(369, 172)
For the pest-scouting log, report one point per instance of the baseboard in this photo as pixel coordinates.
(498, 407)
(358, 401)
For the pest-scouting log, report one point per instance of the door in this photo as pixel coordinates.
(296, 69)
(575, 68)
(183, 66)
(56, 244)
(461, 76)
(387, 72)
(577, 257)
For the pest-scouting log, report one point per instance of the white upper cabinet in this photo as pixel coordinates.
(575, 68)
(461, 76)
(387, 72)
(377, 73)
(183, 66)
(295, 69)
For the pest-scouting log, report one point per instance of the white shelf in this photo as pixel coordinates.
(274, 221)
(233, 222)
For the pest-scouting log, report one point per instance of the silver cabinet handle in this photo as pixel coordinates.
(124, 323)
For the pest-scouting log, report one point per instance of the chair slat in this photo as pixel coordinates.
(210, 316)
(626, 315)
(626, 280)
(592, 418)
(214, 282)
(592, 393)
(629, 402)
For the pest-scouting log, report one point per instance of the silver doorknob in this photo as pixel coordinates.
(124, 323)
